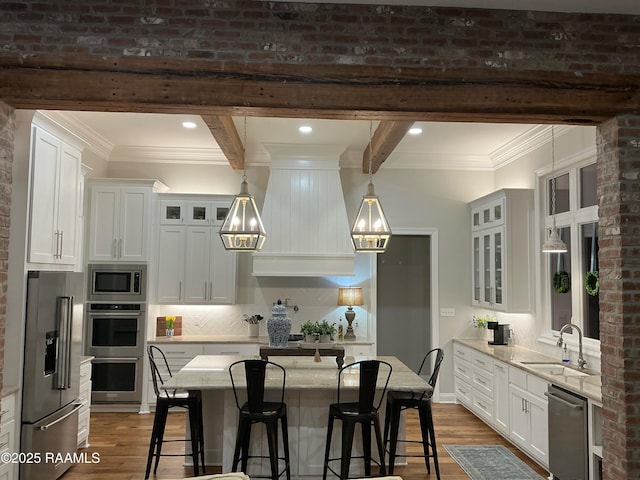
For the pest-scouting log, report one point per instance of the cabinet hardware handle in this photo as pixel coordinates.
(205, 291)
(180, 290)
(211, 291)
(481, 382)
(499, 367)
(462, 391)
(120, 248)
(4, 412)
(480, 362)
(61, 241)
(115, 248)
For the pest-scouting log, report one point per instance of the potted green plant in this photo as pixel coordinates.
(308, 329)
(326, 330)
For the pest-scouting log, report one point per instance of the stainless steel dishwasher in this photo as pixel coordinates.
(568, 440)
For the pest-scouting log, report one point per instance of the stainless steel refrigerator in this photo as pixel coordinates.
(53, 345)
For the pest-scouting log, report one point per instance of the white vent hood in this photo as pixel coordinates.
(304, 214)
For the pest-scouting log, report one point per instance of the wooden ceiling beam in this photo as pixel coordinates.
(226, 135)
(316, 91)
(383, 142)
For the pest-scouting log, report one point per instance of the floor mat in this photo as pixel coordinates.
(490, 462)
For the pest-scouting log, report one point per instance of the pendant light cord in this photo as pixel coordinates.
(553, 177)
(244, 162)
(370, 151)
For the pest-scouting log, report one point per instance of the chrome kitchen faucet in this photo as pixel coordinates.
(581, 361)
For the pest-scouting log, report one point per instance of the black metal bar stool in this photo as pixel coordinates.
(257, 410)
(165, 400)
(398, 401)
(364, 412)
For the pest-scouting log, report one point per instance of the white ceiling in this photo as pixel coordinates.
(162, 138)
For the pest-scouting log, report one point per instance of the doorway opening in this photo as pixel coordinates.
(405, 297)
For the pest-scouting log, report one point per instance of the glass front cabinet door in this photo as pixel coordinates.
(502, 250)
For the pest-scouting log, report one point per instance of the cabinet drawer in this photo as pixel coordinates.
(83, 425)
(463, 370)
(85, 372)
(85, 395)
(180, 351)
(460, 351)
(483, 381)
(463, 392)
(7, 440)
(537, 386)
(231, 349)
(6, 471)
(518, 377)
(482, 361)
(483, 406)
(7, 408)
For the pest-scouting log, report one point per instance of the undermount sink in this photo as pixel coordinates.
(555, 369)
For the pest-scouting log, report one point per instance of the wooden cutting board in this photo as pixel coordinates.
(161, 326)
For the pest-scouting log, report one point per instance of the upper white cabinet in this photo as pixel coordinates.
(193, 266)
(120, 220)
(55, 186)
(502, 250)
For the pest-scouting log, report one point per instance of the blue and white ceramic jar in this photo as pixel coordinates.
(278, 326)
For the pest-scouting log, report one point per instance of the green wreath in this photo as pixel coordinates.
(592, 283)
(561, 282)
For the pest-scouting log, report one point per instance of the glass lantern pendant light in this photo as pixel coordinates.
(370, 231)
(242, 229)
(553, 243)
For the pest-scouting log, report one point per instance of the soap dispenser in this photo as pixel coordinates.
(565, 354)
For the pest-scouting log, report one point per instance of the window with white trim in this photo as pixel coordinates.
(571, 281)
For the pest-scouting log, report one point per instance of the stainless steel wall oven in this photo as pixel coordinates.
(115, 337)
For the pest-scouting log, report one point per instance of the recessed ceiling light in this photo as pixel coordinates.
(305, 129)
(189, 124)
(415, 131)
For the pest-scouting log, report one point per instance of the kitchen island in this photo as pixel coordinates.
(310, 388)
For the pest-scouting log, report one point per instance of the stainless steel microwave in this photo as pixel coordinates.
(117, 283)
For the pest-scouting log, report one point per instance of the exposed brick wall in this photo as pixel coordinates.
(313, 34)
(618, 142)
(7, 129)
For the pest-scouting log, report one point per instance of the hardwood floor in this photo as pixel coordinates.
(122, 442)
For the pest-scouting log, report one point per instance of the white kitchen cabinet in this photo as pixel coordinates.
(8, 442)
(84, 415)
(502, 250)
(120, 220)
(529, 414)
(172, 212)
(595, 440)
(501, 411)
(55, 183)
(171, 269)
(193, 266)
(203, 212)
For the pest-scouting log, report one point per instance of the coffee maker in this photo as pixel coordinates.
(500, 333)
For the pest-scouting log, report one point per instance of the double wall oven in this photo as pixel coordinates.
(116, 324)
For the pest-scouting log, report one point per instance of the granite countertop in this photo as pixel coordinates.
(232, 339)
(8, 390)
(210, 372)
(589, 386)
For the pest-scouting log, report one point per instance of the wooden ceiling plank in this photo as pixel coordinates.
(383, 142)
(226, 135)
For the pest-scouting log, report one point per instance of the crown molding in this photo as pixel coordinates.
(90, 139)
(531, 140)
(183, 155)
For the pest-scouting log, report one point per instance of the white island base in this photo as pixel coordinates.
(310, 388)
